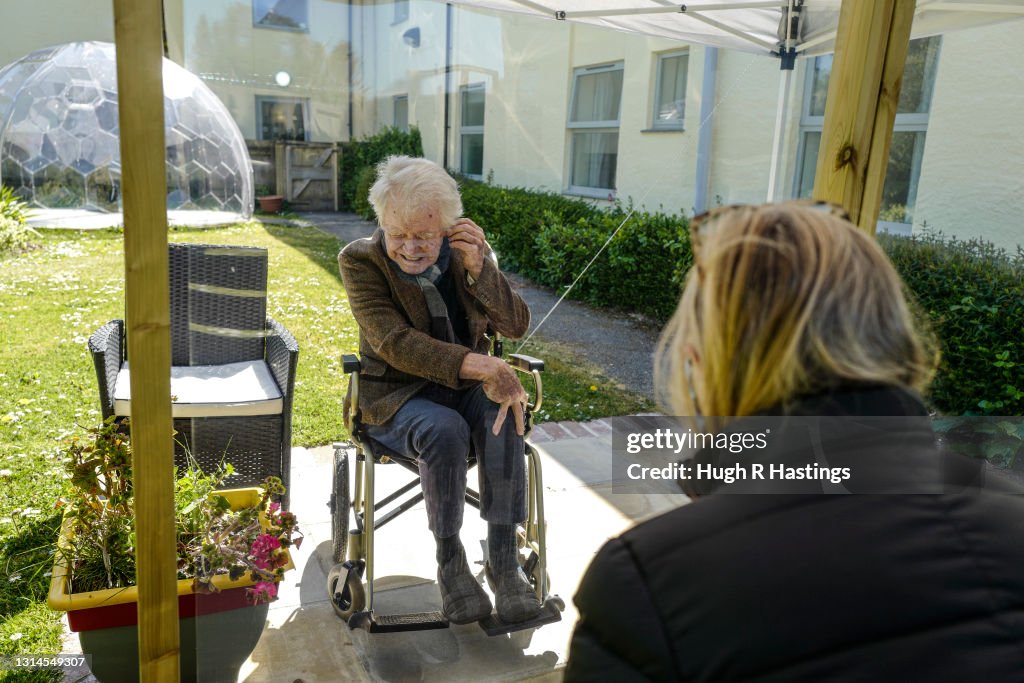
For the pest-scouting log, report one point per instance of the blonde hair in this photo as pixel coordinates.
(406, 186)
(788, 301)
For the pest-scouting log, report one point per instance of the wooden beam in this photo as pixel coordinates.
(863, 91)
(139, 39)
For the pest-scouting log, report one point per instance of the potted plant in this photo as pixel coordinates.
(232, 552)
(269, 202)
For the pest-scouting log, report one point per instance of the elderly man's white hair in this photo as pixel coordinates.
(408, 186)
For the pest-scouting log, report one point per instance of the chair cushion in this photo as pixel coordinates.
(229, 390)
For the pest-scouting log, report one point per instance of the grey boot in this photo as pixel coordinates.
(463, 599)
(513, 593)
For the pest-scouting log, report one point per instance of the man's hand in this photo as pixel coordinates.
(501, 385)
(468, 238)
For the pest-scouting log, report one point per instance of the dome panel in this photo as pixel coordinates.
(59, 135)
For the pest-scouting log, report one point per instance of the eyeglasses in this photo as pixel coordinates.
(428, 236)
(702, 223)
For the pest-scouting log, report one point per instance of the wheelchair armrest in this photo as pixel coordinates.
(350, 363)
(533, 367)
(526, 363)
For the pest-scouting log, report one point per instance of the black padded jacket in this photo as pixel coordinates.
(818, 587)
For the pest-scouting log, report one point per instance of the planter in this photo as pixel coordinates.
(271, 203)
(218, 631)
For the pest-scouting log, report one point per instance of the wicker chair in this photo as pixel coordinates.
(233, 368)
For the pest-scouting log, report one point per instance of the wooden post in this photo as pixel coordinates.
(863, 91)
(137, 30)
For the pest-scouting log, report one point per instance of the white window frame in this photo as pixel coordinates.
(304, 28)
(470, 130)
(656, 123)
(574, 127)
(260, 99)
(912, 122)
(394, 111)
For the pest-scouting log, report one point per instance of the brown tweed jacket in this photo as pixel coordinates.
(399, 357)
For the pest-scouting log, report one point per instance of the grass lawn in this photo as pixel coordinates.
(54, 297)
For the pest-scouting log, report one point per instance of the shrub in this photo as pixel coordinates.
(973, 294)
(361, 199)
(370, 151)
(513, 217)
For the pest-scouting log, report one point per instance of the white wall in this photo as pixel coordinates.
(972, 177)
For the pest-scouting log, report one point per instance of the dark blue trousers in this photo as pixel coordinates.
(436, 428)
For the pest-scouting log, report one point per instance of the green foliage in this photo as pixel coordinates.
(15, 235)
(371, 150)
(212, 539)
(11, 206)
(551, 238)
(973, 294)
(361, 201)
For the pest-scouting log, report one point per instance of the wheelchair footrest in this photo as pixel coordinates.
(413, 621)
(549, 613)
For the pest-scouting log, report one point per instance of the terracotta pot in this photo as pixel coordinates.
(271, 203)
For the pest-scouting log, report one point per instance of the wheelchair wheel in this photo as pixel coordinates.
(349, 598)
(341, 507)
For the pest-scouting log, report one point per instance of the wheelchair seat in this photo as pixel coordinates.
(350, 581)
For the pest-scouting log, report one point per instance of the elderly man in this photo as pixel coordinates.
(424, 291)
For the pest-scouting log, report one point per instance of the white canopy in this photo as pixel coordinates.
(758, 26)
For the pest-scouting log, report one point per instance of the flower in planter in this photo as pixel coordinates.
(212, 538)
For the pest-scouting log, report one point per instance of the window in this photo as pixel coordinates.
(899, 192)
(471, 133)
(282, 118)
(401, 11)
(670, 91)
(292, 15)
(594, 128)
(401, 120)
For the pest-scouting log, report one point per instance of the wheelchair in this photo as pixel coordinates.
(350, 581)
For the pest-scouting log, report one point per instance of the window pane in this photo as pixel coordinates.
(808, 164)
(597, 96)
(819, 85)
(473, 154)
(900, 190)
(282, 120)
(919, 76)
(292, 14)
(672, 90)
(594, 156)
(402, 113)
(473, 107)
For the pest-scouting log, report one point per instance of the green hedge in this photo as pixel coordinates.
(972, 292)
(368, 152)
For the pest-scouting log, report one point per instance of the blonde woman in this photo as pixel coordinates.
(790, 311)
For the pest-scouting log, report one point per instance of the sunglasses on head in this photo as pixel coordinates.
(702, 223)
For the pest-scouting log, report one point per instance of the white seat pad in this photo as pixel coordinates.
(229, 390)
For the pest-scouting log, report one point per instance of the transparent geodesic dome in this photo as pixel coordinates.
(59, 135)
